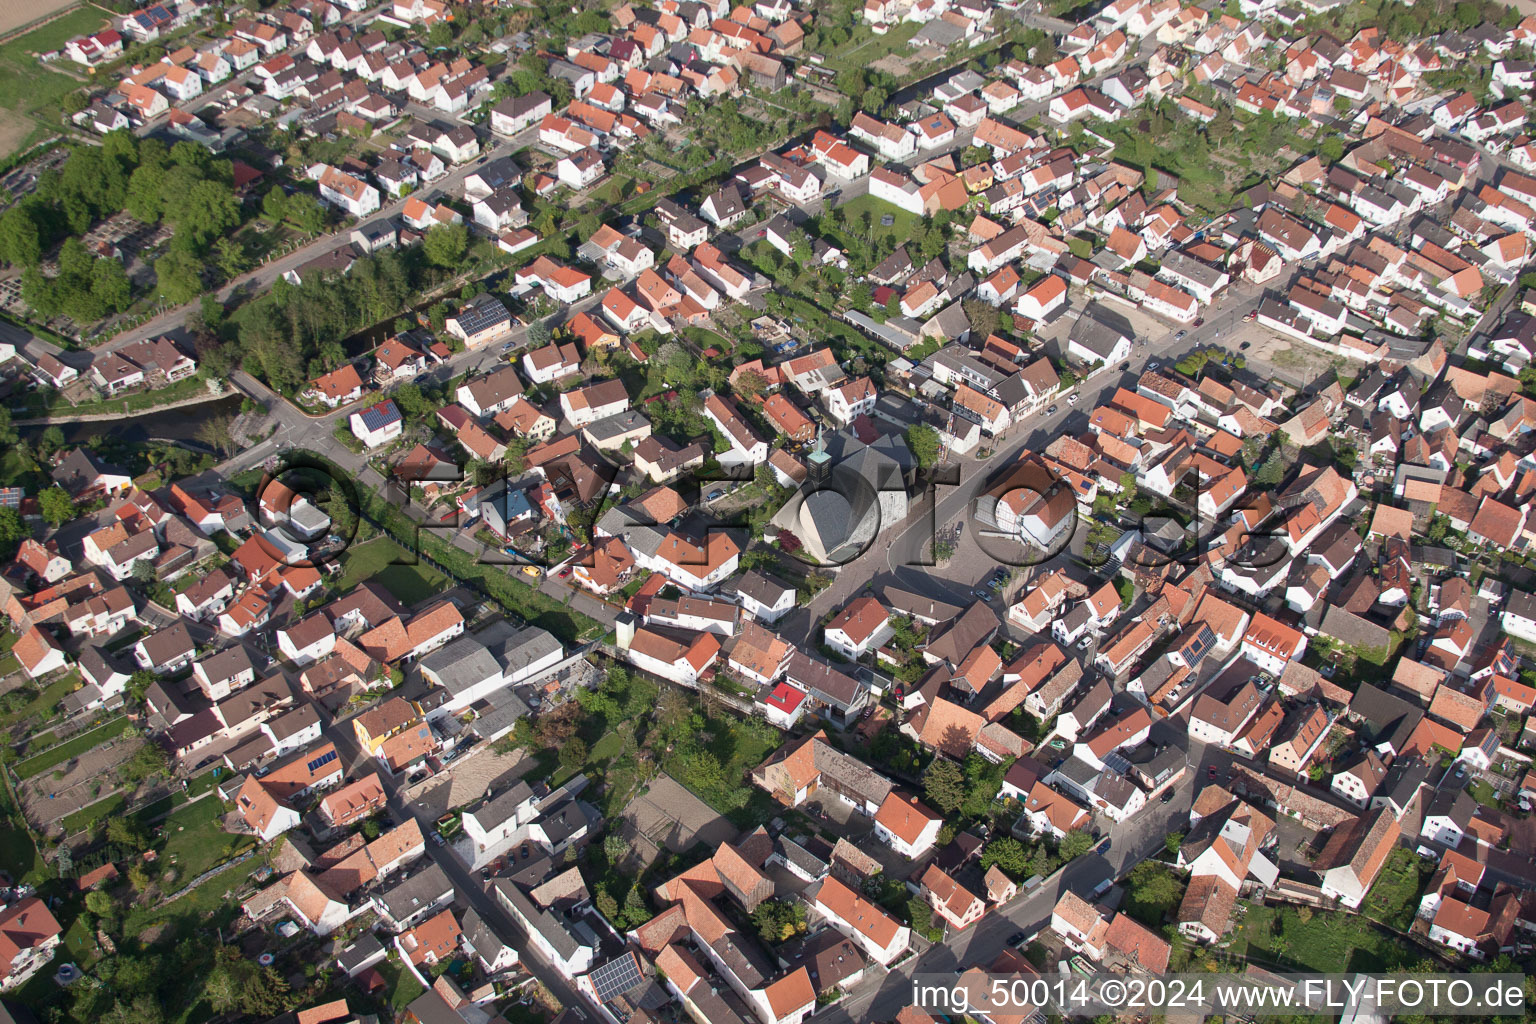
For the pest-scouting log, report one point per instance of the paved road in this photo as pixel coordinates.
(468, 889)
(173, 321)
(1130, 843)
(899, 559)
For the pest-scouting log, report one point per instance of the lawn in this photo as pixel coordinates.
(903, 224)
(45, 700)
(865, 48)
(72, 747)
(195, 840)
(1328, 941)
(402, 984)
(30, 93)
(381, 560)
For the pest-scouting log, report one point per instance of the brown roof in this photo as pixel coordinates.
(1362, 846)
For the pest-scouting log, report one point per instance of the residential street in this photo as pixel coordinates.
(1132, 841)
(467, 887)
(899, 558)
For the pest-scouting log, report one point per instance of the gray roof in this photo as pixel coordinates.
(525, 647)
(920, 606)
(431, 1008)
(420, 890)
(98, 664)
(1099, 330)
(364, 948)
(825, 682)
(462, 663)
(498, 718)
(618, 424)
(1387, 717)
(760, 588)
(227, 663)
(798, 855)
(554, 930)
(1191, 269)
(503, 806)
(481, 935)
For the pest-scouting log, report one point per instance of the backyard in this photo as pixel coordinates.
(1318, 940)
(387, 563)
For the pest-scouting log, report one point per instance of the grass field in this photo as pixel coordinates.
(865, 48)
(903, 224)
(196, 841)
(72, 747)
(1328, 941)
(30, 93)
(378, 560)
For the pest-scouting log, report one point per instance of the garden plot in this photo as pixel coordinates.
(76, 782)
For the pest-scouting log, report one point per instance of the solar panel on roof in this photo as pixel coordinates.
(616, 977)
(473, 321)
(380, 415)
(321, 761)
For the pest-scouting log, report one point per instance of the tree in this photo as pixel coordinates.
(144, 573)
(1074, 844)
(944, 785)
(983, 316)
(235, 985)
(110, 286)
(1173, 842)
(305, 213)
(21, 237)
(445, 244)
(923, 441)
(1271, 471)
(56, 506)
(574, 753)
(921, 914)
(217, 433)
(12, 531)
(100, 904)
(1008, 854)
(440, 35)
(539, 334)
(778, 920)
(750, 384)
(178, 275)
(127, 832)
(230, 256)
(147, 762)
(1154, 891)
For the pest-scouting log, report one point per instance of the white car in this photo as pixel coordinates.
(1072, 399)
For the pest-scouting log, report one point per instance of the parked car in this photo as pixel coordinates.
(1181, 336)
(1250, 316)
(1072, 398)
(716, 495)
(1052, 410)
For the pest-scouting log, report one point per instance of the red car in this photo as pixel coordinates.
(1250, 315)
(565, 572)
